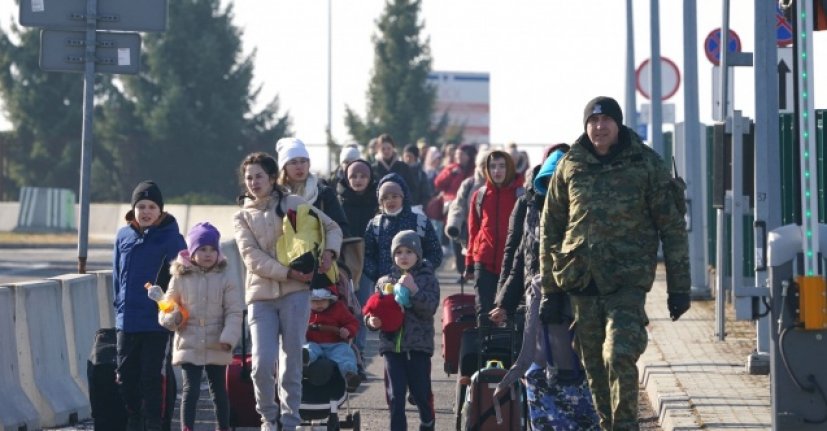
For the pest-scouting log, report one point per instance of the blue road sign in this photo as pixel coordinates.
(712, 45)
(783, 29)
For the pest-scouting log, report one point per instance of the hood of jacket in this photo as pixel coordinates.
(183, 264)
(406, 199)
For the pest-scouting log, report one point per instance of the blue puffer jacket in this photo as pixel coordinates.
(378, 259)
(141, 257)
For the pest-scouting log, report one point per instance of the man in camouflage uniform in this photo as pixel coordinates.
(609, 203)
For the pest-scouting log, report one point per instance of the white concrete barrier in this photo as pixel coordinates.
(221, 216)
(81, 314)
(16, 410)
(106, 296)
(106, 219)
(8, 215)
(235, 265)
(43, 356)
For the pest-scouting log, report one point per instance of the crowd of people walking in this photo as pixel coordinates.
(597, 209)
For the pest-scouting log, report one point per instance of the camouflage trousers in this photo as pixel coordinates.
(610, 336)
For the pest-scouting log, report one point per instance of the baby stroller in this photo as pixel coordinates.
(323, 393)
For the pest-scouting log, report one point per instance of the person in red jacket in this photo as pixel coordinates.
(450, 177)
(329, 331)
(489, 211)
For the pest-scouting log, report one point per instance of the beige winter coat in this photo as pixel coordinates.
(215, 311)
(257, 228)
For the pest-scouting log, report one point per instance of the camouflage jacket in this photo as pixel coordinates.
(604, 220)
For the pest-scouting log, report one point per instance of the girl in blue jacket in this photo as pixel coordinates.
(144, 248)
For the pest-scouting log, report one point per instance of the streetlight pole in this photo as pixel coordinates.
(631, 102)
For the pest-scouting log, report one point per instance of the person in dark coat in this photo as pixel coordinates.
(144, 249)
(423, 189)
(387, 162)
(521, 259)
(357, 193)
(396, 216)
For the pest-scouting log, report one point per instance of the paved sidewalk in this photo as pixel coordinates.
(695, 381)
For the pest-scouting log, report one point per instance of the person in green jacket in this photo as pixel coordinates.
(611, 202)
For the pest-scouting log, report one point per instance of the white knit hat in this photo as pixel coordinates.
(349, 154)
(290, 148)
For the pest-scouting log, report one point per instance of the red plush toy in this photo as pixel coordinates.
(386, 309)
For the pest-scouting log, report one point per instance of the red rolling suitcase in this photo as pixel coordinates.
(240, 389)
(458, 314)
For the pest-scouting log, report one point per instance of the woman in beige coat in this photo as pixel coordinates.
(277, 297)
(202, 286)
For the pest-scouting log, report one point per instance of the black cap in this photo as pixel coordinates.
(148, 190)
(603, 105)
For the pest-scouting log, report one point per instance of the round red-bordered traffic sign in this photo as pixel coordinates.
(670, 78)
(712, 45)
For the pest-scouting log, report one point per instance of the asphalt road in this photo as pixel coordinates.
(19, 264)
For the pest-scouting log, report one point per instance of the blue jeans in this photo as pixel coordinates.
(366, 288)
(277, 329)
(340, 353)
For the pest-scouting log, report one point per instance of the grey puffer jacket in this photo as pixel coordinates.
(417, 332)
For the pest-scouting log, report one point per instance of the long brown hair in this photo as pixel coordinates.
(267, 163)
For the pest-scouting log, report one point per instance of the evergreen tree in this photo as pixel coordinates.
(46, 112)
(185, 120)
(400, 101)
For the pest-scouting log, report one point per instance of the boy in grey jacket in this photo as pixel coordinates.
(408, 351)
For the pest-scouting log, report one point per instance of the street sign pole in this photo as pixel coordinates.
(655, 78)
(87, 133)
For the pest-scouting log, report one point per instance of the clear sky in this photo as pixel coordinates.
(546, 58)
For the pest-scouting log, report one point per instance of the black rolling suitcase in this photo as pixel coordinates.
(108, 410)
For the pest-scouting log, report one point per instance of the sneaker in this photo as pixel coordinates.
(269, 426)
(428, 427)
(352, 380)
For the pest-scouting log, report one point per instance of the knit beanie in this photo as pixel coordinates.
(386, 309)
(349, 154)
(407, 238)
(389, 187)
(603, 105)
(359, 166)
(147, 190)
(290, 148)
(203, 234)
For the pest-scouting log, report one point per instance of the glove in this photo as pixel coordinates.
(551, 308)
(677, 303)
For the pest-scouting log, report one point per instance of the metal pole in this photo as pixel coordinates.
(329, 66)
(767, 173)
(693, 173)
(631, 101)
(87, 133)
(739, 203)
(655, 79)
(723, 67)
(720, 290)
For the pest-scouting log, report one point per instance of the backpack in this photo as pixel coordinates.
(421, 223)
(518, 192)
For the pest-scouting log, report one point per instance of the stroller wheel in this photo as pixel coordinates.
(333, 422)
(357, 421)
